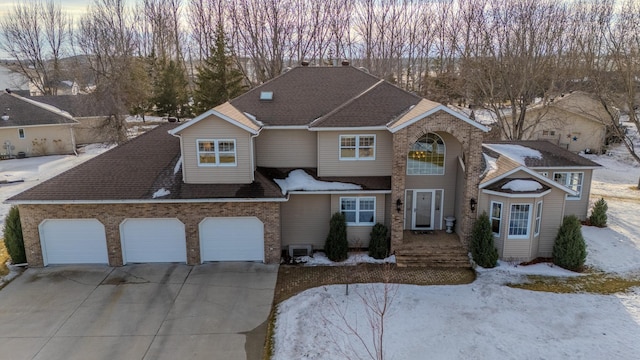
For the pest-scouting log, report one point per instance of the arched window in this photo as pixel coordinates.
(426, 156)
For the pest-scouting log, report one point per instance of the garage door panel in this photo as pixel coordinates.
(73, 241)
(153, 240)
(232, 239)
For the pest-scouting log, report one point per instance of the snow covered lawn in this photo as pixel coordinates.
(487, 319)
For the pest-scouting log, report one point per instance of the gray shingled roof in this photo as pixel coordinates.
(374, 107)
(27, 112)
(76, 105)
(135, 171)
(552, 155)
(304, 94)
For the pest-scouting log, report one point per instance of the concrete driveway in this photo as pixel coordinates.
(147, 311)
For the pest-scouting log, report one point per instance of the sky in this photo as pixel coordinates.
(75, 7)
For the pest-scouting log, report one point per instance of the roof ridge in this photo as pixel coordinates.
(345, 104)
(44, 106)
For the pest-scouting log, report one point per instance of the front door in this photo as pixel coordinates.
(423, 210)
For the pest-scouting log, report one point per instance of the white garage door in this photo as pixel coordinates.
(232, 239)
(73, 241)
(153, 240)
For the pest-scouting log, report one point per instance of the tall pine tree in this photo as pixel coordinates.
(218, 79)
(171, 97)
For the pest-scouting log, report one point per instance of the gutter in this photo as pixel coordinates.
(145, 201)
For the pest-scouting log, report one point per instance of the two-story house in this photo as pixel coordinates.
(247, 179)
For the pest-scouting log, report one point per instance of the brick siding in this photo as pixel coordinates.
(471, 139)
(112, 215)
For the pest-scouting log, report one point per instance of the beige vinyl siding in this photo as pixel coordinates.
(589, 134)
(305, 220)
(552, 213)
(447, 182)
(89, 131)
(215, 128)
(517, 249)
(55, 139)
(534, 246)
(579, 207)
(329, 163)
(358, 236)
(287, 149)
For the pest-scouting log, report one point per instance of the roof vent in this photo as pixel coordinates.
(345, 62)
(266, 95)
(304, 63)
(5, 117)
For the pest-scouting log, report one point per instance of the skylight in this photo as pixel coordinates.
(266, 95)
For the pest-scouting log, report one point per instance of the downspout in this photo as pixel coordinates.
(253, 154)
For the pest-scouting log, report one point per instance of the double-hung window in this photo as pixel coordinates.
(496, 217)
(217, 152)
(359, 210)
(21, 133)
(572, 180)
(357, 147)
(519, 221)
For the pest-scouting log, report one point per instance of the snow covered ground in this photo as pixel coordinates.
(18, 175)
(486, 319)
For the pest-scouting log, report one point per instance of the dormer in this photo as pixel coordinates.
(217, 147)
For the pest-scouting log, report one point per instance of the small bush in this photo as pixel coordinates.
(483, 249)
(599, 214)
(336, 246)
(378, 248)
(570, 250)
(13, 236)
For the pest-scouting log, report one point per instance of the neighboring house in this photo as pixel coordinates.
(90, 115)
(266, 171)
(33, 128)
(575, 121)
(527, 189)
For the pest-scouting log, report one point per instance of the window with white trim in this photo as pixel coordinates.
(572, 180)
(496, 217)
(216, 152)
(357, 147)
(519, 221)
(426, 156)
(358, 210)
(538, 222)
(21, 133)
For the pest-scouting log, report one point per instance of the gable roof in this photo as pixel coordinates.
(134, 171)
(227, 113)
(425, 108)
(533, 175)
(552, 156)
(27, 112)
(580, 103)
(306, 93)
(76, 105)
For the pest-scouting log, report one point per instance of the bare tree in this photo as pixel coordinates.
(514, 59)
(108, 38)
(377, 302)
(36, 34)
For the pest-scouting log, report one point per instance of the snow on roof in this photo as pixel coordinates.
(300, 180)
(520, 185)
(492, 165)
(160, 193)
(515, 152)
